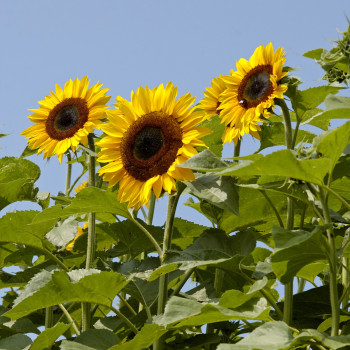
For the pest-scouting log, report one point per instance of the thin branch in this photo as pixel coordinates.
(125, 319)
(273, 208)
(69, 318)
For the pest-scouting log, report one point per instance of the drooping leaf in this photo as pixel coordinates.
(296, 249)
(145, 338)
(46, 339)
(57, 287)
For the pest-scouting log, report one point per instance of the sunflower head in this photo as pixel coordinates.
(210, 103)
(251, 91)
(66, 117)
(80, 231)
(146, 138)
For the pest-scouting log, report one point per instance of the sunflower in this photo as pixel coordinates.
(80, 231)
(210, 103)
(146, 139)
(80, 187)
(251, 91)
(66, 117)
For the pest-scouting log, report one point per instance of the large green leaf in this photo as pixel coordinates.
(97, 339)
(213, 247)
(311, 98)
(46, 339)
(180, 312)
(17, 178)
(58, 287)
(296, 249)
(15, 342)
(217, 190)
(282, 163)
(145, 338)
(61, 235)
(269, 336)
(17, 228)
(88, 200)
(331, 144)
(273, 135)
(337, 107)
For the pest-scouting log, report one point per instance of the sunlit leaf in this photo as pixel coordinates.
(46, 339)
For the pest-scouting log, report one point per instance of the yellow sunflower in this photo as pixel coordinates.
(66, 117)
(146, 139)
(210, 103)
(251, 91)
(80, 187)
(80, 231)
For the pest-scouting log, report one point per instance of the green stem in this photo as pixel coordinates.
(75, 182)
(237, 149)
(125, 302)
(152, 204)
(125, 319)
(273, 207)
(148, 234)
(69, 173)
(91, 241)
(295, 133)
(288, 288)
(333, 266)
(218, 281)
(288, 131)
(69, 318)
(163, 279)
(56, 260)
(184, 279)
(48, 317)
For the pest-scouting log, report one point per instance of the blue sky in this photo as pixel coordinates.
(127, 44)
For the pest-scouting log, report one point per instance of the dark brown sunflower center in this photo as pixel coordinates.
(66, 118)
(149, 147)
(148, 142)
(255, 87)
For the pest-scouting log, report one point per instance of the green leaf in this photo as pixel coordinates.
(204, 161)
(315, 54)
(282, 163)
(58, 287)
(309, 272)
(337, 107)
(28, 152)
(97, 339)
(217, 190)
(331, 144)
(61, 235)
(16, 227)
(180, 312)
(145, 338)
(17, 178)
(212, 247)
(269, 336)
(214, 140)
(295, 249)
(15, 342)
(311, 98)
(46, 339)
(273, 135)
(89, 200)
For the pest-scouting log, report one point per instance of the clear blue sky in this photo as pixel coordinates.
(125, 44)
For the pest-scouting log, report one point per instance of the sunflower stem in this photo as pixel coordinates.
(48, 317)
(288, 288)
(237, 149)
(333, 265)
(91, 242)
(163, 279)
(69, 318)
(69, 173)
